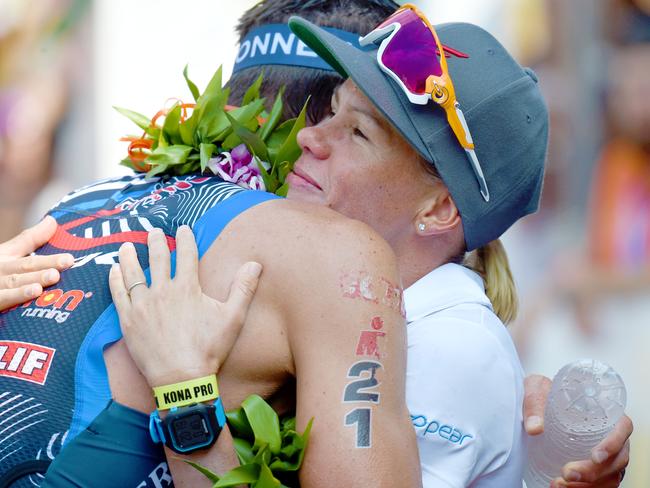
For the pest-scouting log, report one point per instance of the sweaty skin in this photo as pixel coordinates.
(301, 329)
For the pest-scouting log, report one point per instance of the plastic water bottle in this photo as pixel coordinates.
(586, 400)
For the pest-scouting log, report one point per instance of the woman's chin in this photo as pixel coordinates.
(305, 194)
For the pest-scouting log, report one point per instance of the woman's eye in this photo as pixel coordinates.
(357, 132)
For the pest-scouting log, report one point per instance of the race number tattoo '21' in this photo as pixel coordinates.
(363, 388)
(359, 391)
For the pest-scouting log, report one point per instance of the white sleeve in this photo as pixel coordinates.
(462, 393)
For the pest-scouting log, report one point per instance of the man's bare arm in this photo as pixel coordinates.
(336, 283)
(350, 369)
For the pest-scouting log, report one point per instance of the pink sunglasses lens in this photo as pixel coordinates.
(411, 52)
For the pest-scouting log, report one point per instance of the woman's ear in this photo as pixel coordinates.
(438, 214)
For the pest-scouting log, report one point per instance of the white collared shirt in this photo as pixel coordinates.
(464, 385)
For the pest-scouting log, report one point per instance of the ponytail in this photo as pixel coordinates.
(491, 262)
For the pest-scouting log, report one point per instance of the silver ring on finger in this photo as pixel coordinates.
(130, 288)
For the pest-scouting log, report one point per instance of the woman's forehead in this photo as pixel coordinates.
(357, 101)
(349, 89)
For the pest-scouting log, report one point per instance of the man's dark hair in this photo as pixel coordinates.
(357, 16)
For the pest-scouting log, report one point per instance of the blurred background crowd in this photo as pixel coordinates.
(582, 264)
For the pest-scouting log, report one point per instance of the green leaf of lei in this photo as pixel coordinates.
(250, 138)
(205, 471)
(140, 120)
(290, 150)
(253, 91)
(170, 155)
(170, 127)
(248, 473)
(206, 151)
(266, 478)
(264, 422)
(193, 89)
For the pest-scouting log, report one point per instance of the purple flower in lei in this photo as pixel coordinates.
(238, 166)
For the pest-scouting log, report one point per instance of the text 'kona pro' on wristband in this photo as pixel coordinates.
(186, 392)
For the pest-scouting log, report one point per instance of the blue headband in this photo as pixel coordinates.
(276, 44)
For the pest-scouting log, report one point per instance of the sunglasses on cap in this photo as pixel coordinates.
(408, 52)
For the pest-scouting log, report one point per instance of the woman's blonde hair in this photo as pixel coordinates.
(491, 262)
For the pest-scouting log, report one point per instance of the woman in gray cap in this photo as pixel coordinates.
(437, 183)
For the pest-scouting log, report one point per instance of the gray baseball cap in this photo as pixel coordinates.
(504, 109)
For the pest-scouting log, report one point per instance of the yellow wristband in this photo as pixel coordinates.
(186, 392)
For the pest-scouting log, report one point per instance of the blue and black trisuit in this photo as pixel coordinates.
(53, 381)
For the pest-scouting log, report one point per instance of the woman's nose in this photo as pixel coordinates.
(313, 139)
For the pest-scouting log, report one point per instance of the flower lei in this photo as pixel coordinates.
(244, 145)
(251, 148)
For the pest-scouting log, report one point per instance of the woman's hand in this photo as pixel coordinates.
(609, 458)
(23, 277)
(173, 331)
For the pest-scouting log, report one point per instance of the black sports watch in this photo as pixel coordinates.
(190, 428)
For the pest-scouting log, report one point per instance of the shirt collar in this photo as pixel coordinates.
(446, 286)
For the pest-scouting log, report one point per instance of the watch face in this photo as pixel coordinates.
(191, 430)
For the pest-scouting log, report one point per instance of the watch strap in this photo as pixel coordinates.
(220, 412)
(156, 428)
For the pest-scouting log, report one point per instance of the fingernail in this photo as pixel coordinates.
(50, 275)
(534, 422)
(128, 245)
(573, 476)
(66, 261)
(32, 291)
(253, 269)
(599, 456)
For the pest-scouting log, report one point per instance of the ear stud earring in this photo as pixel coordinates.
(421, 227)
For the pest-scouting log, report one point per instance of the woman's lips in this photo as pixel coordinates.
(298, 178)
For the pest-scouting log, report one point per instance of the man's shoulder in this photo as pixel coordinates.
(309, 229)
(307, 251)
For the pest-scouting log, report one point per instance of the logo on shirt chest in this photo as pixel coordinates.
(25, 361)
(425, 427)
(55, 304)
